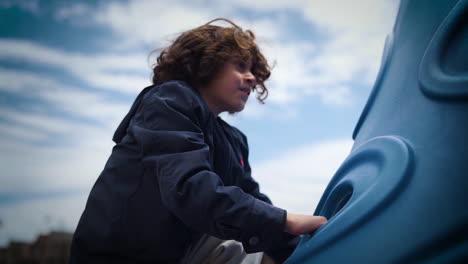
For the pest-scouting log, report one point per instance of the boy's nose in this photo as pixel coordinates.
(250, 79)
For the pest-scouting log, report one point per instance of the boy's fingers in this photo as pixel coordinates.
(314, 222)
(302, 224)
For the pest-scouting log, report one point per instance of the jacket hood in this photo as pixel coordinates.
(121, 130)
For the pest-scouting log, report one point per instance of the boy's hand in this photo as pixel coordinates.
(297, 224)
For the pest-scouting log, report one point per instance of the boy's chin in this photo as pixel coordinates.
(240, 108)
(237, 108)
(235, 111)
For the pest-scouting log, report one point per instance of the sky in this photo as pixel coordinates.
(70, 70)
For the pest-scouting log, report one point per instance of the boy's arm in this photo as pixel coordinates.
(281, 250)
(167, 128)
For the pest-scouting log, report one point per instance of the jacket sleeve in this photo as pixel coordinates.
(284, 246)
(168, 129)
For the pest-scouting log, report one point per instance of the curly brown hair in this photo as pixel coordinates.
(197, 55)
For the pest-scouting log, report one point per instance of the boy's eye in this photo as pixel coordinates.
(242, 66)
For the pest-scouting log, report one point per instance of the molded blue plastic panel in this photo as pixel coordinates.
(402, 194)
(444, 69)
(367, 181)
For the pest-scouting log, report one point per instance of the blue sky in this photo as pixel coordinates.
(69, 72)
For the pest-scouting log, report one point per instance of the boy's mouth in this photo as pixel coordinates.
(245, 90)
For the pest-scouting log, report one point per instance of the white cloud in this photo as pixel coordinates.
(362, 17)
(19, 133)
(153, 22)
(44, 122)
(78, 151)
(296, 179)
(291, 73)
(122, 73)
(66, 98)
(366, 16)
(267, 30)
(66, 164)
(301, 70)
(149, 22)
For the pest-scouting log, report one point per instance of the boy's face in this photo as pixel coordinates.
(231, 88)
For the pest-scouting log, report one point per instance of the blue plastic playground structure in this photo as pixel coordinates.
(402, 194)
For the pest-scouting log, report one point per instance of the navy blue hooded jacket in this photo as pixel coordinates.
(176, 172)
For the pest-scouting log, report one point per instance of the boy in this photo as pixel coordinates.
(178, 182)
